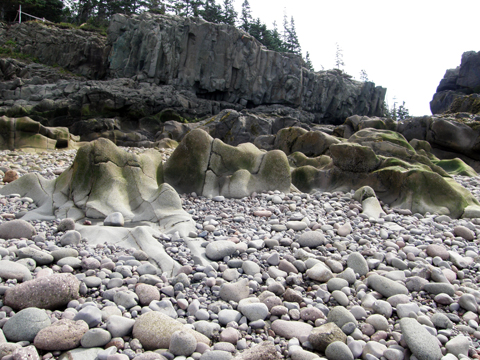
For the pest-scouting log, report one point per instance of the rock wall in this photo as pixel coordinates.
(220, 62)
(461, 81)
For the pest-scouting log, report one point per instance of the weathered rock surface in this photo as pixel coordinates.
(27, 133)
(223, 63)
(457, 84)
(156, 68)
(209, 167)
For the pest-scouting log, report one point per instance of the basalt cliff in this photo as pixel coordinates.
(154, 68)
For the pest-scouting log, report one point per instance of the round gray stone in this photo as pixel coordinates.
(357, 262)
(311, 239)
(24, 325)
(338, 351)
(217, 250)
(95, 338)
(182, 343)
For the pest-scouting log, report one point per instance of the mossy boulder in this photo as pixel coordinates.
(455, 167)
(354, 157)
(185, 169)
(298, 159)
(383, 142)
(423, 191)
(313, 143)
(18, 133)
(210, 167)
(287, 137)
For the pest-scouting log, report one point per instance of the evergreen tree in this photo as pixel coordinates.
(363, 75)
(308, 62)
(229, 13)
(186, 7)
(292, 43)
(339, 57)
(246, 18)
(211, 12)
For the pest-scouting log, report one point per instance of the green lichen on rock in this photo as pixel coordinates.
(455, 167)
(423, 191)
(298, 159)
(287, 137)
(304, 177)
(354, 157)
(226, 159)
(185, 169)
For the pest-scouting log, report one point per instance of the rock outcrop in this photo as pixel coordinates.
(457, 83)
(222, 63)
(210, 167)
(155, 68)
(27, 133)
(81, 52)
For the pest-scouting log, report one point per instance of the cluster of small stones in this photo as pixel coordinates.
(308, 273)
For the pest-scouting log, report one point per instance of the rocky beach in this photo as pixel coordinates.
(175, 190)
(288, 275)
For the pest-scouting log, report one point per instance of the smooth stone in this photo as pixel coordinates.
(468, 302)
(95, 338)
(81, 354)
(16, 229)
(311, 239)
(147, 293)
(127, 299)
(340, 316)
(404, 310)
(319, 272)
(24, 325)
(373, 348)
(235, 291)
(338, 350)
(62, 335)
(291, 329)
(91, 315)
(71, 237)
(438, 288)
(14, 270)
(441, 321)
(296, 225)
(458, 345)
(228, 315)
(218, 249)
(154, 330)
(420, 342)
(40, 257)
(182, 343)
(119, 326)
(114, 219)
(357, 263)
(48, 292)
(385, 286)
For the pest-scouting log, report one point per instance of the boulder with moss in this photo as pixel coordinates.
(210, 167)
(399, 174)
(19, 133)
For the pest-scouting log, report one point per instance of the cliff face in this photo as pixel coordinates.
(220, 62)
(81, 52)
(456, 83)
(218, 66)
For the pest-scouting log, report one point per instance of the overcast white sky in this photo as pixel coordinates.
(405, 46)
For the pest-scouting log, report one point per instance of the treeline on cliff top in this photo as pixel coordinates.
(97, 13)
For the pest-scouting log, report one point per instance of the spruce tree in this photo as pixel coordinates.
(229, 13)
(308, 62)
(293, 45)
(339, 57)
(246, 17)
(211, 12)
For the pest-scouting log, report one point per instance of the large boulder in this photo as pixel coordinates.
(210, 167)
